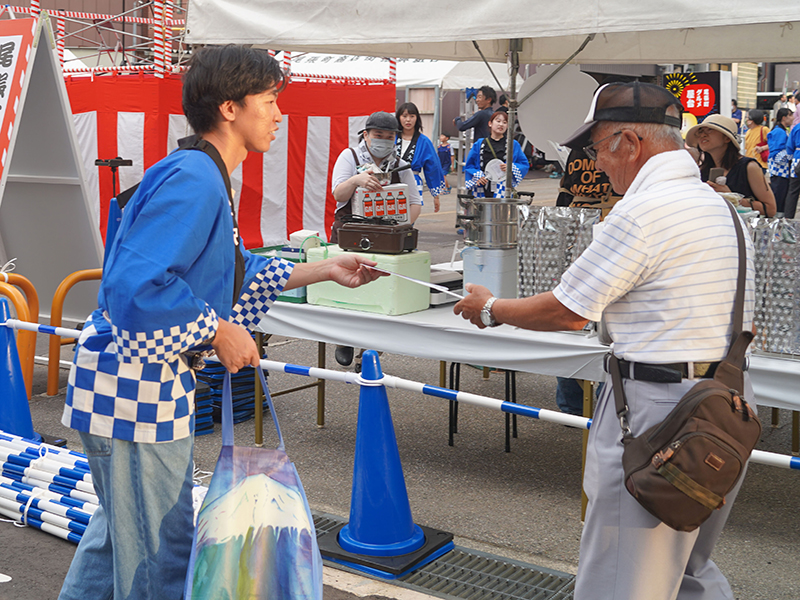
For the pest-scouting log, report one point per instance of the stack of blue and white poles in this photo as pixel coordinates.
(46, 487)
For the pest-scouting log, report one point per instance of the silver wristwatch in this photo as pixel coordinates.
(487, 318)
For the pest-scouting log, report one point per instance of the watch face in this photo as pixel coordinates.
(486, 318)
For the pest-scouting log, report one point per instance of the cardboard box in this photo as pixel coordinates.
(387, 295)
(391, 202)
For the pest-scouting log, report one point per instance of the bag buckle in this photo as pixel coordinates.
(623, 424)
(197, 360)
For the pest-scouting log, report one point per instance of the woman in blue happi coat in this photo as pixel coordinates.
(417, 149)
(779, 161)
(485, 150)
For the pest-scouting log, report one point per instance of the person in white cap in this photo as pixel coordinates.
(663, 275)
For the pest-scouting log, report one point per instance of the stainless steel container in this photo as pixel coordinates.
(490, 222)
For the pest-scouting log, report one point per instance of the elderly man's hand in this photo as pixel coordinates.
(471, 306)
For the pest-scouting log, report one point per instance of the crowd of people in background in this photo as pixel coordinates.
(771, 143)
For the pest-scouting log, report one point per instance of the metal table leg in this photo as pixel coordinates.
(588, 411)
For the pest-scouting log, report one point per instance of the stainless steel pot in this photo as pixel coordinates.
(490, 222)
(490, 235)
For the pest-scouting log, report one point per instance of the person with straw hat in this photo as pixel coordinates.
(716, 137)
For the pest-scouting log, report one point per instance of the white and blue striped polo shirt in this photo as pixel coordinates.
(664, 268)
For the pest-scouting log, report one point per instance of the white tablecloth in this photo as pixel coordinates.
(438, 334)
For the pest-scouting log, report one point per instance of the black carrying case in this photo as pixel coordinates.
(376, 234)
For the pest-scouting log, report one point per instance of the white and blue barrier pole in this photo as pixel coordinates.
(758, 456)
(45, 487)
(44, 463)
(47, 494)
(69, 458)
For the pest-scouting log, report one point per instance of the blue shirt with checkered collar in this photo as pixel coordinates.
(168, 280)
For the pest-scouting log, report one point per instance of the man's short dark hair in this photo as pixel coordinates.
(489, 93)
(220, 73)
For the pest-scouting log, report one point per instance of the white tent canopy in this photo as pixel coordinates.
(447, 74)
(647, 31)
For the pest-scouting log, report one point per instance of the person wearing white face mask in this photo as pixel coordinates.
(375, 146)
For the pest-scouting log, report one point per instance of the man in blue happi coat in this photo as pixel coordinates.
(176, 279)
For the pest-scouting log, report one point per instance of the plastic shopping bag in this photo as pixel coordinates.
(255, 536)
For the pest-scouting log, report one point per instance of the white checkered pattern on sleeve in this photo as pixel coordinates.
(477, 190)
(499, 188)
(793, 169)
(778, 165)
(139, 402)
(161, 344)
(262, 292)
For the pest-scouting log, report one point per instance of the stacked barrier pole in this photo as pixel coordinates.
(46, 487)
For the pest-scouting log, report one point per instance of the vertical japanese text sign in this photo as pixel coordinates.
(16, 39)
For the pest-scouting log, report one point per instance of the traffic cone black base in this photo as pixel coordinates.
(437, 543)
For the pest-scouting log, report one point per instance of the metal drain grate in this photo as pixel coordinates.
(475, 575)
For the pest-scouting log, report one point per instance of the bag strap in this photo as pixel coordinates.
(195, 143)
(227, 410)
(729, 373)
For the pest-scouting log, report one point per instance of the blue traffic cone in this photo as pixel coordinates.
(380, 514)
(15, 413)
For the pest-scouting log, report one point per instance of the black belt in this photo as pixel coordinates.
(666, 373)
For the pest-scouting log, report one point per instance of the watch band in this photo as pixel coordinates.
(486, 312)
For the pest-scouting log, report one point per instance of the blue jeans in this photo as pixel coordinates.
(138, 542)
(569, 395)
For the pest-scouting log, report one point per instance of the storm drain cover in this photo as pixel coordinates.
(466, 573)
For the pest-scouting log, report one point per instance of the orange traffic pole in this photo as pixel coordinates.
(26, 340)
(56, 313)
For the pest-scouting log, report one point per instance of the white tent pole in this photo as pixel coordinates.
(514, 46)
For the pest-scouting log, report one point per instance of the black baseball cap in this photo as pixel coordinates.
(381, 120)
(633, 102)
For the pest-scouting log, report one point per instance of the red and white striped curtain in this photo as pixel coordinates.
(287, 189)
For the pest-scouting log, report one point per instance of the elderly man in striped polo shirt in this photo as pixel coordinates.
(662, 273)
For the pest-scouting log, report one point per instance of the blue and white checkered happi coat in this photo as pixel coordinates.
(779, 165)
(473, 171)
(167, 282)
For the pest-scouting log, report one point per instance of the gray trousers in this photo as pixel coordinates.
(627, 553)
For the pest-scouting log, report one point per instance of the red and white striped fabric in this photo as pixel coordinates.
(285, 190)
